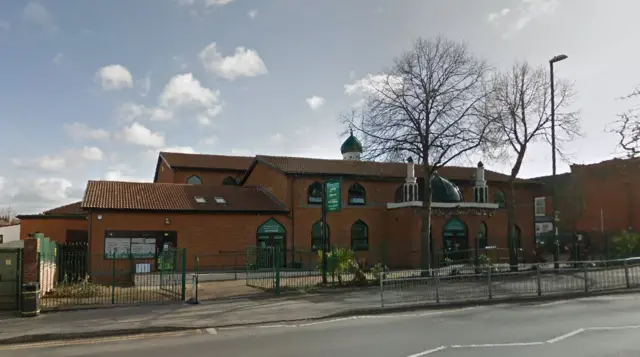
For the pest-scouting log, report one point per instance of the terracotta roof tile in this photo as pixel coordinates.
(176, 197)
(70, 209)
(299, 165)
(204, 161)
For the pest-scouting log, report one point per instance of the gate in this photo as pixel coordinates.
(10, 270)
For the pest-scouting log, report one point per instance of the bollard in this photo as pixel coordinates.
(586, 280)
(437, 287)
(626, 274)
(381, 290)
(489, 281)
(539, 283)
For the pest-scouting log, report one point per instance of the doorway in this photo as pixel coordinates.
(455, 240)
(271, 239)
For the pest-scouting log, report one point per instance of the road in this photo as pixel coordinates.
(596, 326)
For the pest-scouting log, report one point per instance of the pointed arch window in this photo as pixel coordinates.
(357, 195)
(194, 180)
(483, 238)
(359, 236)
(399, 196)
(498, 197)
(314, 193)
(229, 181)
(316, 236)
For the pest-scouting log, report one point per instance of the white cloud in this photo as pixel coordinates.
(57, 59)
(253, 13)
(138, 134)
(373, 85)
(133, 111)
(184, 90)
(205, 3)
(243, 63)
(29, 196)
(73, 158)
(210, 140)
(511, 21)
(80, 131)
(37, 14)
(145, 85)
(115, 76)
(122, 172)
(315, 102)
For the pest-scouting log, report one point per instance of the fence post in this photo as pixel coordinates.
(197, 276)
(586, 281)
(235, 266)
(381, 289)
(437, 287)
(489, 283)
(276, 260)
(113, 278)
(184, 274)
(538, 281)
(626, 274)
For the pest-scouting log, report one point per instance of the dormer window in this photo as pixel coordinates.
(200, 199)
(220, 200)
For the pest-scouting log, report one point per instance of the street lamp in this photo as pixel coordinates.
(556, 255)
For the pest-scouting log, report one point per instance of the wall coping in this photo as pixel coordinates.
(395, 205)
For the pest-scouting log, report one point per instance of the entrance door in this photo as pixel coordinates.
(271, 238)
(455, 240)
(9, 279)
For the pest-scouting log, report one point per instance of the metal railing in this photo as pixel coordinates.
(463, 282)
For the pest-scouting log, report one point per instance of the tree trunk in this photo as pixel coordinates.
(425, 232)
(511, 218)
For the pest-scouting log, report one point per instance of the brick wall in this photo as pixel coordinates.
(214, 178)
(165, 174)
(54, 228)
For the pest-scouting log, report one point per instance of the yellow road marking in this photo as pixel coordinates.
(94, 340)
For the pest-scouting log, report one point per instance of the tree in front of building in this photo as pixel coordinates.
(425, 106)
(518, 110)
(627, 126)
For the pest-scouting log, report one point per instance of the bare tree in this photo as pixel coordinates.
(519, 108)
(425, 106)
(7, 215)
(627, 126)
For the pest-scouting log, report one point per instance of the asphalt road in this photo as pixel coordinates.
(597, 326)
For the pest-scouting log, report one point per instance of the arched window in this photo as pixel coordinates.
(483, 238)
(316, 236)
(194, 180)
(498, 197)
(517, 234)
(359, 236)
(399, 194)
(357, 195)
(229, 181)
(314, 193)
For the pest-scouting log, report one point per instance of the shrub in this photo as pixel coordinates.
(626, 244)
(82, 288)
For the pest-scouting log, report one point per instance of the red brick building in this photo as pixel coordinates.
(61, 224)
(596, 201)
(211, 204)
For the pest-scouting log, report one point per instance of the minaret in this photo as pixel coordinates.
(480, 190)
(411, 183)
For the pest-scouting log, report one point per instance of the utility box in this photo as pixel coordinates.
(30, 303)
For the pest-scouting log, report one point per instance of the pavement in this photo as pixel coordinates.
(587, 327)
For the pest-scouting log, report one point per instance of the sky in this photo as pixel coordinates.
(93, 90)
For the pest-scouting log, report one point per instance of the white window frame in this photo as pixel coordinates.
(536, 206)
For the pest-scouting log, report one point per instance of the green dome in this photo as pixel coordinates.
(443, 190)
(352, 144)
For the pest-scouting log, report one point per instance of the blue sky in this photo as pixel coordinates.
(94, 89)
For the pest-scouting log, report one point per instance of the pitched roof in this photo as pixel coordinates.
(70, 209)
(177, 197)
(205, 161)
(299, 165)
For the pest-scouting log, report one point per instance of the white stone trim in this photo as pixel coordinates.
(394, 205)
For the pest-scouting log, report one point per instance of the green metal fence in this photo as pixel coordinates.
(76, 278)
(277, 269)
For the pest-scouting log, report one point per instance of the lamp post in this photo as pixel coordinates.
(556, 254)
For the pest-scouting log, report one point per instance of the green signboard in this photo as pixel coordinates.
(333, 196)
(271, 226)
